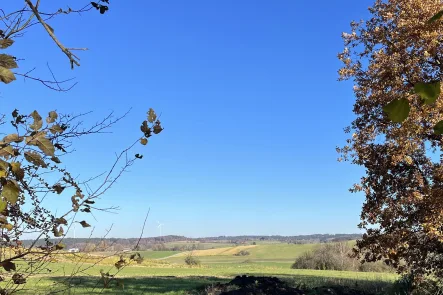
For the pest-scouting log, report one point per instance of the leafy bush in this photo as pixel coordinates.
(335, 256)
(192, 261)
(305, 261)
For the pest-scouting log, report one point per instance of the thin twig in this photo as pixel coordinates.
(143, 228)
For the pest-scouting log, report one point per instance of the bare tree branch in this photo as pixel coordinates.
(74, 60)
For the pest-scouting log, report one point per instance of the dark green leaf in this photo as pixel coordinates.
(436, 17)
(429, 92)
(397, 110)
(438, 128)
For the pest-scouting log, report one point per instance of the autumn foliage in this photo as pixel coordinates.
(395, 59)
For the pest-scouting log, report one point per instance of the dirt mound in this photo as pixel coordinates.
(250, 285)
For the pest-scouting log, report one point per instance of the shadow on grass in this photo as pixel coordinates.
(126, 285)
(371, 286)
(181, 285)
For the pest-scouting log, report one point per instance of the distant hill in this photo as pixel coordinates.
(316, 238)
(181, 243)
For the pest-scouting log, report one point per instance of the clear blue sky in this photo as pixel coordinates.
(250, 103)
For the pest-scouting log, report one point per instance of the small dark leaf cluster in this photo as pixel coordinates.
(101, 7)
(149, 127)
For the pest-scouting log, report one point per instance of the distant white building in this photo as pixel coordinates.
(73, 250)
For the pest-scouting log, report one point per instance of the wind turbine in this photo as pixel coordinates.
(160, 227)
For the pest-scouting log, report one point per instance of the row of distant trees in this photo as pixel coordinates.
(106, 246)
(189, 244)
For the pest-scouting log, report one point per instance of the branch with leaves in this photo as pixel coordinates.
(30, 156)
(32, 150)
(17, 23)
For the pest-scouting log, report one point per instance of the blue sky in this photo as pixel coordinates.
(250, 103)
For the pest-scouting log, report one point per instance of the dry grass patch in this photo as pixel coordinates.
(228, 251)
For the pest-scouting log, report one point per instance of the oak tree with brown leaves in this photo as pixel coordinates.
(395, 59)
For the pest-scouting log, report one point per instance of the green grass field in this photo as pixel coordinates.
(267, 254)
(175, 278)
(155, 281)
(280, 251)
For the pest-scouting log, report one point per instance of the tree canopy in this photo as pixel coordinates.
(395, 59)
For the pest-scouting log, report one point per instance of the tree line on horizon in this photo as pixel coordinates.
(187, 244)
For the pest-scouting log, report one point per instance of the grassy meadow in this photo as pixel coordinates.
(164, 272)
(275, 254)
